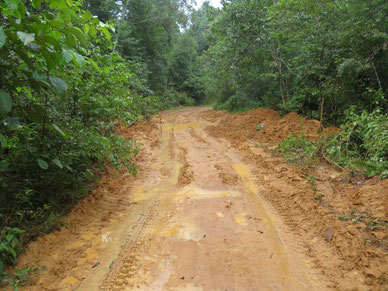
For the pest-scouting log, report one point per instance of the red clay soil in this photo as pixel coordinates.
(215, 208)
(341, 219)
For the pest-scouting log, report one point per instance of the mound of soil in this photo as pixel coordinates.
(341, 218)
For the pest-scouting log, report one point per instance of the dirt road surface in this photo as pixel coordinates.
(197, 217)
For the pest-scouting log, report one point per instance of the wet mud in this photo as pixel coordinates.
(209, 210)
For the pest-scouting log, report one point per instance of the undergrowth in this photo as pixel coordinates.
(360, 146)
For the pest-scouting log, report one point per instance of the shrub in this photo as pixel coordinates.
(362, 142)
(361, 145)
(298, 150)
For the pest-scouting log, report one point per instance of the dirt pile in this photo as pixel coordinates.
(342, 221)
(265, 125)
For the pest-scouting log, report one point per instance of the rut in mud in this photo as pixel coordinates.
(203, 214)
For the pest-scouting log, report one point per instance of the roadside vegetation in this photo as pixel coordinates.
(360, 146)
(324, 60)
(65, 86)
(73, 71)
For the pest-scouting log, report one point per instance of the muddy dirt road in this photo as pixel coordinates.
(195, 218)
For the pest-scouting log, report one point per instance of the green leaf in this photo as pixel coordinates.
(59, 130)
(79, 35)
(12, 122)
(12, 252)
(3, 142)
(48, 39)
(67, 56)
(70, 39)
(43, 164)
(5, 102)
(58, 163)
(3, 37)
(79, 59)
(106, 32)
(59, 84)
(54, 4)
(50, 59)
(1, 267)
(25, 37)
(9, 237)
(36, 3)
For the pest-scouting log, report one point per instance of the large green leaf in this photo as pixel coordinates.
(25, 37)
(57, 4)
(43, 164)
(58, 163)
(105, 31)
(36, 3)
(59, 85)
(67, 56)
(70, 39)
(3, 37)
(5, 102)
(79, 59)
(79, 35)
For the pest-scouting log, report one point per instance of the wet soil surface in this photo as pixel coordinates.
(213, 208)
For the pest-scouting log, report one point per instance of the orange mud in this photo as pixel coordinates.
(213, 208)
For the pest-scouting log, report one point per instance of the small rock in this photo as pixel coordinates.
(329, 233)
(183, 277)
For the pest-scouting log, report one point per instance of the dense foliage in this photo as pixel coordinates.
(299, 56)
(64, 88)
(326, 60)
(361, 146)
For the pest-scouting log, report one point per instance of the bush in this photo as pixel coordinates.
(361, 145)
(298, 150)
(362, 142)
(61, 98)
